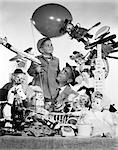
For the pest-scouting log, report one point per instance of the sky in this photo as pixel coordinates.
(16, 26)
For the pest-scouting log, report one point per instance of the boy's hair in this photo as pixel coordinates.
(41, 42)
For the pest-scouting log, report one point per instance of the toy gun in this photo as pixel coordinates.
(101, 38)
(21, 54)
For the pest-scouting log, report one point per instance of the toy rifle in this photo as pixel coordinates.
(25, 55)
(99, 73)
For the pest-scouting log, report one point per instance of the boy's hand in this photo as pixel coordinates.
(37, 67)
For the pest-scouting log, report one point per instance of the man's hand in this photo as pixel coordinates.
(38, 69)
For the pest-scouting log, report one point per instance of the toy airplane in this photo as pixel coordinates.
(18, 57)
(20, 54)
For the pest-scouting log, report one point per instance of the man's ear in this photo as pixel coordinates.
(41, 50)
(69, 80)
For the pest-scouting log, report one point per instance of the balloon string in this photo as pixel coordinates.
(41, 84)
(33, 34)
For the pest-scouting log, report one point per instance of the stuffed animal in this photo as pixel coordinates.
(37, 97)
(101, 119)
(16, 94)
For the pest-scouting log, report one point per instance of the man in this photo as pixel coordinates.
(66, 79)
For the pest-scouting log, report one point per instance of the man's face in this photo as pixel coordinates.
(65, 75)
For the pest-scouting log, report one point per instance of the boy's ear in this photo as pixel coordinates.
(41, 50)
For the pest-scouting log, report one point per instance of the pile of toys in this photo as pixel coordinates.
(83, 114)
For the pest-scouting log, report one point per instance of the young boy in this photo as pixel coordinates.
(46, 74)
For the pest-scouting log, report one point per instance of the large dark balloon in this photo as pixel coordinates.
(49, 18)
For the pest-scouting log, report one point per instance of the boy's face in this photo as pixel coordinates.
(47, 47)
(65, 75)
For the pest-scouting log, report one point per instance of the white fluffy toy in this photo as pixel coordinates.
(15, 93)
(37, 99)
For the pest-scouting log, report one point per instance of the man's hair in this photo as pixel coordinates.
(74, 73)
